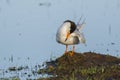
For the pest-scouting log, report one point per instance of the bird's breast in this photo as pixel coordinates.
(60, 37)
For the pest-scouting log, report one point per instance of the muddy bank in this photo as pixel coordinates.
(83, 66)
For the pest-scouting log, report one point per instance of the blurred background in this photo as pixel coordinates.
(28, 28)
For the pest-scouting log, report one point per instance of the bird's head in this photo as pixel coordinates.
(71, 28)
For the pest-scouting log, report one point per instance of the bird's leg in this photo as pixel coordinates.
(66, 49)
(72, 53)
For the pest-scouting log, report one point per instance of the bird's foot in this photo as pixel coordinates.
(71, 53)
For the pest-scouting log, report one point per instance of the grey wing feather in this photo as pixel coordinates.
(80, 26)
(81, 38)
(79, 31)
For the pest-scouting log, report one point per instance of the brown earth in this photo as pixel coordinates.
(83, 66)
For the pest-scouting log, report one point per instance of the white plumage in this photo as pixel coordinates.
(70, 34)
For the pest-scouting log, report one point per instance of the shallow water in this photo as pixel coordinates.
(28, 28)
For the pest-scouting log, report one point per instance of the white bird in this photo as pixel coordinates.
(70, 34)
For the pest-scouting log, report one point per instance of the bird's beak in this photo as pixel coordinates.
(67, 35)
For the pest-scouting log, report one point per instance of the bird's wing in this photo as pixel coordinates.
(80, 25)
(79, 31)
(81, 38)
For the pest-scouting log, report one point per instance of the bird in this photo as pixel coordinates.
(70, 33)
